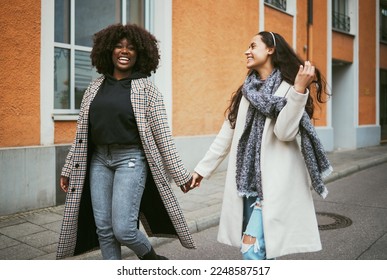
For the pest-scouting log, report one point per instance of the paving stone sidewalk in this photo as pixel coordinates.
(34, 235)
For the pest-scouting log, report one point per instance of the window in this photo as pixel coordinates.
(383, 20)
(280, 4)
(340, 19)
(75, 23)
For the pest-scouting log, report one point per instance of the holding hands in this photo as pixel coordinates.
(192, 183)
(64, 183)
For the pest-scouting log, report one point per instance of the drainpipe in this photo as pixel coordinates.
(308, 27)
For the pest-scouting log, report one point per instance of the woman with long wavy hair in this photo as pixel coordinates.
(275, 155)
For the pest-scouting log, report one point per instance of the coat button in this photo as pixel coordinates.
(80, 141)
(72, 189)
(76, 165)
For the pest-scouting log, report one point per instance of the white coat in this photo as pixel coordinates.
(289, 219)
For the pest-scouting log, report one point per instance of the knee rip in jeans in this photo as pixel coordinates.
(249, 240)
(132, 163)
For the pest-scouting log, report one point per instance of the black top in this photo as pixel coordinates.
(112, 119)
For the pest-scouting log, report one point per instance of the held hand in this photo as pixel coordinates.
(192, 183)
(196, 180)
(186, 187)
(64, 183)
(304, 77)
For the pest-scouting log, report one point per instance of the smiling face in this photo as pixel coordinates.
(259, 57)
(124, 58)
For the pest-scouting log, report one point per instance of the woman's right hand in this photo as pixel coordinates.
(64, 183)
(304, 77)
(196, 179)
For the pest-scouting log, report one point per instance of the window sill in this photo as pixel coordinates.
(278, 9)
(342, 31)
(65, 118)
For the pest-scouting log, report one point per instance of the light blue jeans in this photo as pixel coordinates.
(253, 225)
(117, 181)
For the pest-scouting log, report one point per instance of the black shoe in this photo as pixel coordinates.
(151, 255)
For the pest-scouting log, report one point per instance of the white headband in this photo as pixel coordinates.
(272, 34)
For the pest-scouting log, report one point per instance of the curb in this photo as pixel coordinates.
(361, 165)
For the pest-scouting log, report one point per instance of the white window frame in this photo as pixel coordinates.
(72, 47)
(159, 24)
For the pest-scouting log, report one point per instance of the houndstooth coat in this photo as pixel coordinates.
(160, 212)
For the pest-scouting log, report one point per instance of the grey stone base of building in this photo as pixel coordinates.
(30, 175)
(28, 178)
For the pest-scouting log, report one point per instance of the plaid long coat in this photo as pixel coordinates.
(160, 212)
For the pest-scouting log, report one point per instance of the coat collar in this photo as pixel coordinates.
(137, 84)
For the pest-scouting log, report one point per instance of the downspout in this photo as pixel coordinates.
(308, 27)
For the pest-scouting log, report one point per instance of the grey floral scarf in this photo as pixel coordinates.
(263, 104)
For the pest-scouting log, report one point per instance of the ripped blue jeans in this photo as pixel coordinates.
(117, 181)
(253, 226)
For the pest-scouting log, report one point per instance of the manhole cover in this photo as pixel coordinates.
(328, 221)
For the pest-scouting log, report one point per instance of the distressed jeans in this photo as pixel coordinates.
(253, 225)
(117, 181)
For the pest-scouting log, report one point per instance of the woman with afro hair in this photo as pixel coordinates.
(118, 168)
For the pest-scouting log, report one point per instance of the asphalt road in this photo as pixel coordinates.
(357, 228)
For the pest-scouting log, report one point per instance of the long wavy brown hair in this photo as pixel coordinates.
(144, 43)
(288, 62)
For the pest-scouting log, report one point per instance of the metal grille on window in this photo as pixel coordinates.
(280, 4)
(341, 22)
(340, 19)
(383, 20)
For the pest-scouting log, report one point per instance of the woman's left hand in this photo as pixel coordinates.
(304, 77)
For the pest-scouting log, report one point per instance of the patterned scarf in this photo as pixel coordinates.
(263, 104)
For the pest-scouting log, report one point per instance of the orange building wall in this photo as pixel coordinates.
(209, 39)
(342, 46)
(367, 59)
(282, 23)
(20, 72)
(318, 52)
(279, 22)
(64, 132)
